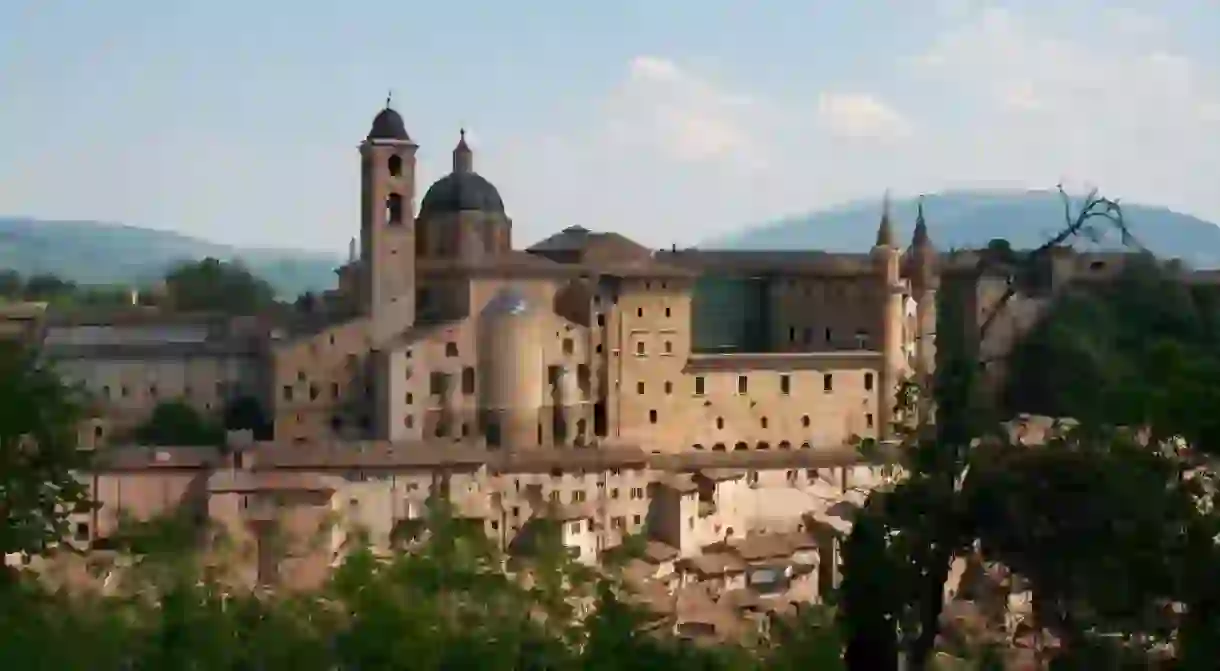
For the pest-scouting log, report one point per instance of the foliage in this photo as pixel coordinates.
(176, 423)
(212, 285)
(447, 604)
(38, 455)
(245, 413)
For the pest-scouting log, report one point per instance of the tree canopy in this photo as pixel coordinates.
(219, 286)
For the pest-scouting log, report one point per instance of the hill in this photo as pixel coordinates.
(959, 219)
(91, 252)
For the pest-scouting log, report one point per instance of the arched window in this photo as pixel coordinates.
(741, 445)
(764, 445)
(393, 209)
(718, 447)
(784, 445)
(698, 446)
(394, 165)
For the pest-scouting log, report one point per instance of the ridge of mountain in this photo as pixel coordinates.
(94, 252)
(971, 218)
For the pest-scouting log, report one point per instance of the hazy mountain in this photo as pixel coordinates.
(971, 219)
(90, 252)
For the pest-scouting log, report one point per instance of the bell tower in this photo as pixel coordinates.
(387, 225)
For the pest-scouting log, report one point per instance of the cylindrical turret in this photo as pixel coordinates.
(512, 387)
(887, 261)
(568, 403)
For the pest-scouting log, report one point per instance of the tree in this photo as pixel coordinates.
(897, 558)
(46, 287)
(245, 413)
(38, 453)
(212, 285)
(176, 423)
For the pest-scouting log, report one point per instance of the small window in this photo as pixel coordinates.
(652, 417)
(437, 383)
(287, 392)
(334, 390)
(669, 347)
(409, 398)
(451, 349)
(639, 312)
(639, 348)
(868, 420)
(743, 384)
(409, 421)
(805, 421)
(468, 380)
(828, 382)
(393, 209)
(669, 387)
(868, 382)
(785, 385)
(601, 320)
(394, 165)
(719, 422)
(699, 387)
(568, 346)
(791, 334)
(667, 312)
(314, 392)
(762, 422)
(828, 335)
(639, 388)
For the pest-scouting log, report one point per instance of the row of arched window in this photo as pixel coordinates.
(742, 445)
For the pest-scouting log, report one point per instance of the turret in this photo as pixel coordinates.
(925, 281)
(512, 387)
(887, 260)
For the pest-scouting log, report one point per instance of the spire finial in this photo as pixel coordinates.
(885, 230)
(920, 238)
(463, 158)
(389, 98)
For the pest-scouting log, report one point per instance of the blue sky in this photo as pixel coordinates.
(667, 120)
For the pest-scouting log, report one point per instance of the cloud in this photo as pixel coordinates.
(1040, 96)
(688, 118)
(859, 115)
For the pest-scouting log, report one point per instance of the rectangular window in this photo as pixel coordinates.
(468, 380)
(699, 385)
(743, 384)
(868, 382)
(785, 385)
(828, 382)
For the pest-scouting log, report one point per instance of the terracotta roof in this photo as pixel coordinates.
(782, 361)
(262, 481)
(141, 458)
(722, 474)
(680, 482)
(586, 458)
(370, 454)
(657, 552)
(757, 459)
(760, 547)
(155, 350)
(713, 564)
(569, 511)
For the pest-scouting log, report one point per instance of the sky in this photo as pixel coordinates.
(670, 121)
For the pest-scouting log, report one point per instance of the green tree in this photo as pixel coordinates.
(245, 413)
(176, 423)
(212, 285)
(38, 453)
(896, 560)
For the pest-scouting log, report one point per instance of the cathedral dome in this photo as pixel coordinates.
(461, 192)
(388, 125)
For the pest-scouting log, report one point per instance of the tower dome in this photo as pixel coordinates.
(388, 125)
(462, 190)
